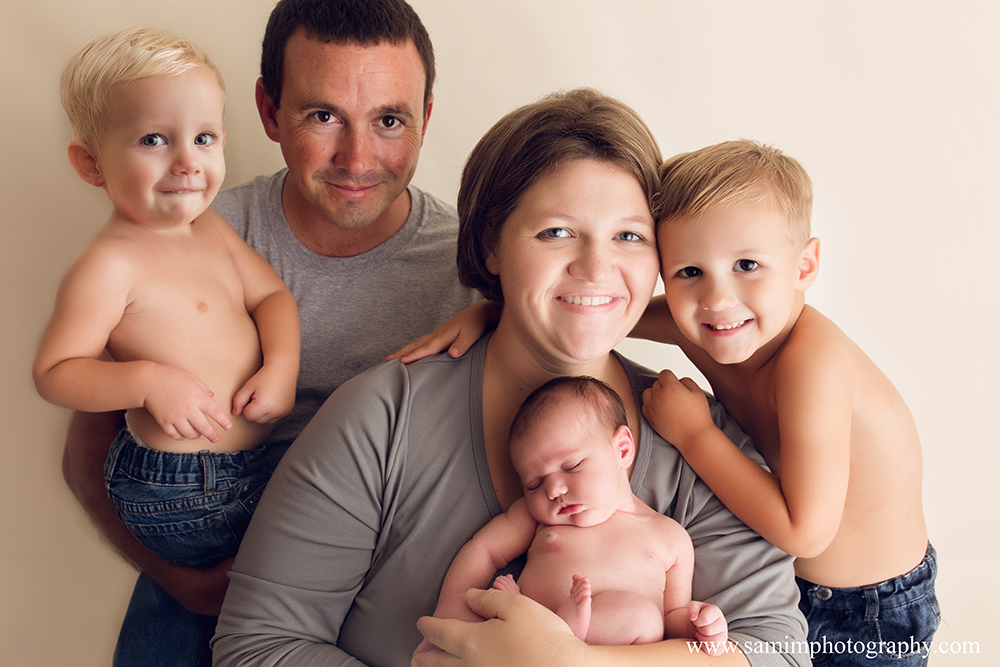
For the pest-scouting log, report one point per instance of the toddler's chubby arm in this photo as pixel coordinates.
(800, 511)
(456, 335)
(68, 369)
(269, 394)
(497, 543)
(683, 617)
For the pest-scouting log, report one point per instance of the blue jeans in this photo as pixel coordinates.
(889, 623)
(189, 509)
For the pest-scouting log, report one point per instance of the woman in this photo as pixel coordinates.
(403, 464)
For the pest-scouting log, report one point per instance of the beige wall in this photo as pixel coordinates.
(892, 106)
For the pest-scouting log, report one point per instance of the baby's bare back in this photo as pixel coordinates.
(625, 553)
(186, 308)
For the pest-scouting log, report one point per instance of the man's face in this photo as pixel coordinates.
(350, 124)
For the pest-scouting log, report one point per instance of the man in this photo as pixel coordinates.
(346, 89)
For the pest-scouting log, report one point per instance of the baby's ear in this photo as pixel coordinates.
(624, 445)
(808, 265)
(84, 161)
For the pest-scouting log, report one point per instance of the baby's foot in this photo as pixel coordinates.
(506, 583)
(576, 609)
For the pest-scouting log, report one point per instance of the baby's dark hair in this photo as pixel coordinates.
(605, 401)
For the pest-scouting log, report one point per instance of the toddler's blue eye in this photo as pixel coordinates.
(746, 265)
(204, 139)
(153, 140)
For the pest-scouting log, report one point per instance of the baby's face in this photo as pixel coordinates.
(162, 158)
(730, 276)
(570, 469)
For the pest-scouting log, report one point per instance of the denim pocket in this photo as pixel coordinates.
(200, 541)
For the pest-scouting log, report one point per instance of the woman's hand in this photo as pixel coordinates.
(518, 631)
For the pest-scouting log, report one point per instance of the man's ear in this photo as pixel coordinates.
(808, 265)
(624, 445)
(84, 161)
(267, 110)
(427, 118)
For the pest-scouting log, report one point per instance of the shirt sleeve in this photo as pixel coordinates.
(315, 534)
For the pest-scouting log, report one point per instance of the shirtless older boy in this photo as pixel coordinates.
(199, 327)
(844, 488)
(615, 570)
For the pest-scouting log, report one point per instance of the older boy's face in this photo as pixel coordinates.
(351, 122)
(570, 469)
(162, 159)
(730, 276)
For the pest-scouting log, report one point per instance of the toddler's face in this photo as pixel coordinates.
(570, 469)
(730, 276)
(162, 159)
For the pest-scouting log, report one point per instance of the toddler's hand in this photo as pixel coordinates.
(677, 409)
(710, 625)
(266, 397)
(182, 405)
(456, 335)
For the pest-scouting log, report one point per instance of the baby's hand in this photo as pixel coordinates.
(710, 627)
(456, 335)
(182, 405)
(677, 409)
(266, 397)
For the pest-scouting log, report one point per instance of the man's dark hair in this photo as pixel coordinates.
(364, 22)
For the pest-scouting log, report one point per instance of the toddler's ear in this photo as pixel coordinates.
(808, 265)
(84, 161)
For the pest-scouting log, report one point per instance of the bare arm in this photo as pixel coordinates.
(269, 394)
(800, 511)
(656, 323)
(69, 369)
(87, 444)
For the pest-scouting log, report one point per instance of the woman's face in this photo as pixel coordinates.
(577, 261)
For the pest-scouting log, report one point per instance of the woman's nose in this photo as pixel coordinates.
(593, 263)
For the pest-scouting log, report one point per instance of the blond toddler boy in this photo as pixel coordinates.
(167, 313)
(615, 570)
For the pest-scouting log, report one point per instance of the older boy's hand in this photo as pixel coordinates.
(182, 405)
(677, 409)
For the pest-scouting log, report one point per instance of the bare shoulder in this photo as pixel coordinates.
(817, 347)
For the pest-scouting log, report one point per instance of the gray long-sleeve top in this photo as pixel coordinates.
(372, 502)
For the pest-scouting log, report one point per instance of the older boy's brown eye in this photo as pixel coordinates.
(689, 272)
(746, 265)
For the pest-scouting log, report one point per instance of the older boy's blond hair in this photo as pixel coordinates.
(91, 77)
(734, 172)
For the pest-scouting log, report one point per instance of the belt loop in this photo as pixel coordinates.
(207, 471)
(871, 597)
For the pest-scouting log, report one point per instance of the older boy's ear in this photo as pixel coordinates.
(268, 111)
(625, 445)
(808, 265)
(84, 161)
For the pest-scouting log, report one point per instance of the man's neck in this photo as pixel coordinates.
(315, 232)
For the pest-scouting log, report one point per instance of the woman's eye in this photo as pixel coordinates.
(747, 265)
(152, 140)
(629, 236)
(204, 139)
(555, 233)
(689, 272)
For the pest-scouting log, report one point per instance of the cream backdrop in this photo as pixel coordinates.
(893, 107)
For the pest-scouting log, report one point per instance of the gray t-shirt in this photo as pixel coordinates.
(353, 310)
(367, 510)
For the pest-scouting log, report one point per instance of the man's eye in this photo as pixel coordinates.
(689, 272)
(746, 265)
(390, 122)
(555, 233)
(204, 139)
(323, 117)
(153, 140)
